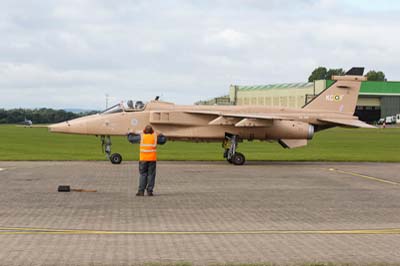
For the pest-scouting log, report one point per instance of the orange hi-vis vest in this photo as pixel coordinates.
(148, 147)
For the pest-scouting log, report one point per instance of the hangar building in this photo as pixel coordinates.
(376, 99)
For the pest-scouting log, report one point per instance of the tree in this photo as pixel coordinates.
(323, 73)
(334, 72)
(318, 73)
(38, 116)
(375, 76)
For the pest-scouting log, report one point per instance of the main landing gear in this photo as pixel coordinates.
(114, 158)
(230, 144)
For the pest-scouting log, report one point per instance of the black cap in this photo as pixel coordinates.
(355, 71)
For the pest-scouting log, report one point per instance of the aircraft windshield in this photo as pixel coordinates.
(129, 106)
(113, 109)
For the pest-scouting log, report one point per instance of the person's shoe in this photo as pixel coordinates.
(140, 193)
(150, 193)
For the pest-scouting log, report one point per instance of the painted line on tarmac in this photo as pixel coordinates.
(44, 231)
(365, 176)
(8, 168)
(34, 229)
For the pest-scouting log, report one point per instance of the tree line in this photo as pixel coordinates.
(38, 116)
(324, 73)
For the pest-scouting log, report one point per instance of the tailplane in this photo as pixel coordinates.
(342, 95)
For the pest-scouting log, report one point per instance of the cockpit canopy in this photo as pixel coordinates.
(128, 106)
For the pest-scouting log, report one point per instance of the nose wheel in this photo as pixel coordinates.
(114, 158)
(230, 145)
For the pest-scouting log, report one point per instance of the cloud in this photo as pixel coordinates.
(227, 38)
(70, 53)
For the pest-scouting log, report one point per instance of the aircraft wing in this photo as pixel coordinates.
(239, 120)
(347, 122)
(263, 120)
(238, 115)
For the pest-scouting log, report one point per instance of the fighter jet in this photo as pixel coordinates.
(26, 122)
(292, 128)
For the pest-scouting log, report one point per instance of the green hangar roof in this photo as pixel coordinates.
(367, 87)
(377, 87)
(380, 87)
(276, 86)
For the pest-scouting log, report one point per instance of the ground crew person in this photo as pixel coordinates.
(147, 161)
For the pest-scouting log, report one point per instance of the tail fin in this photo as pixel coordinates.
(342, 95)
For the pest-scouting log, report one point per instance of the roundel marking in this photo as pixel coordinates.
(134, 122)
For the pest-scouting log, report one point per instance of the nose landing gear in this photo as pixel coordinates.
(230, 144)
(114, 158)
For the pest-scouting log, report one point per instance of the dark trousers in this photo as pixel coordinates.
(147, 177)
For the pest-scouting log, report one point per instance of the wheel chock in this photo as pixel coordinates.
(68, 189)
(64, 188)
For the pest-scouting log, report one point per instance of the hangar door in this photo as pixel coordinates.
(390, 105)
(368, 108)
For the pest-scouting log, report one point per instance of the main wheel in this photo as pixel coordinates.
(229, 160)
(238, 159)
(116, 158)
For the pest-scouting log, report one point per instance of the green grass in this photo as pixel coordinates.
(305, 264)
(338, 144)
(265, 264)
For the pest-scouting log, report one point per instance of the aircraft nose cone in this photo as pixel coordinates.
(74, 127)
(59, 127)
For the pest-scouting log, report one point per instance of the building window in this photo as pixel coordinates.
(300, 101)
(276, 101)
(246, 101)
(253, 101)
(283, 101)
(261, 100)
(292, 101)
(268, 101)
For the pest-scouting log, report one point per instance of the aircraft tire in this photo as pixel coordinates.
(116, 158)
(238, 159)
(229, 160)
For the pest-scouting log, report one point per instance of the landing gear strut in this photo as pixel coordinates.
(114, 158)
(230, 144)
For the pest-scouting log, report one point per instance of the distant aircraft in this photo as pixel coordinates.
(26, 122)
(292, 128)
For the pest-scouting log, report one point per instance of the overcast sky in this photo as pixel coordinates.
(70, 53)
